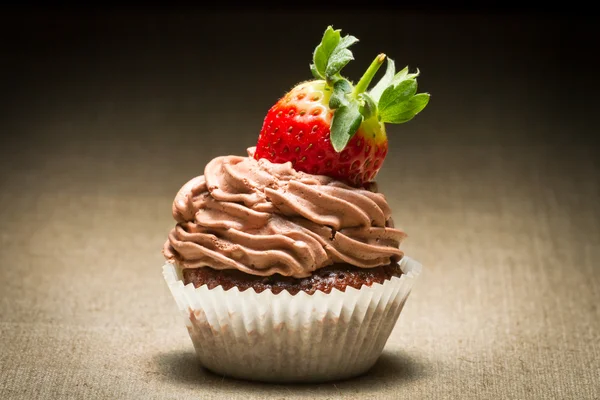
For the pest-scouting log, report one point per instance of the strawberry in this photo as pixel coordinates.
(328, 126)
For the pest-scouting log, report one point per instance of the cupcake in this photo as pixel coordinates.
(285, 263)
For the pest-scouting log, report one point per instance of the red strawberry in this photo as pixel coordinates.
(327, 126)
(297, 129)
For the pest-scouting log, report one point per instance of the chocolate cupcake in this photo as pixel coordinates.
(267, 287)
(286, 263)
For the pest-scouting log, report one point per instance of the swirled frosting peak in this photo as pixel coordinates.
(264, 218)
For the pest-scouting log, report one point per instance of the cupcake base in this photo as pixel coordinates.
(291, 338)
(336, 276)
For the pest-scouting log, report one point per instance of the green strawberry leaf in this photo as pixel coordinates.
(369, 106)
(399, 102)
(315, 73)
(404, 75)
(384, 82)
(322, 53)
(404, 111)
(393, 99)
(346, 121)
(341, 87)
(396, 94)
(340, 57)
(347, 41)
(337, 61)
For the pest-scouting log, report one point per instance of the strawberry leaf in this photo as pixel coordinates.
(322, 53)
(315, 73)
(347, 41)
(404, 111)
(384, 82)
(369, 107)
(338, 60)
(341, 87)
(346, 121)
(399, 102)
(404, 75)
(340, 57)
(396, 94)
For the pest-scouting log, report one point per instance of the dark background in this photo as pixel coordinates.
(103, 88)
(107, 109)
(533, 72)
(119, 83)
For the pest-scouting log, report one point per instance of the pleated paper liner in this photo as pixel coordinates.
(284, 338)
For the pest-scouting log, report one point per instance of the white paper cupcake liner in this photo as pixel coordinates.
(284, 338)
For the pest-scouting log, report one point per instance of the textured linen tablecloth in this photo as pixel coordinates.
(497, 183)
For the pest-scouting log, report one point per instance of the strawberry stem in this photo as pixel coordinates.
(366, 79)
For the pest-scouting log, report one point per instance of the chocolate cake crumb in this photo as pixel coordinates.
(338, 276)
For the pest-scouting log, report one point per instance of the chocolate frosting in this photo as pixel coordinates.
(264, 218)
